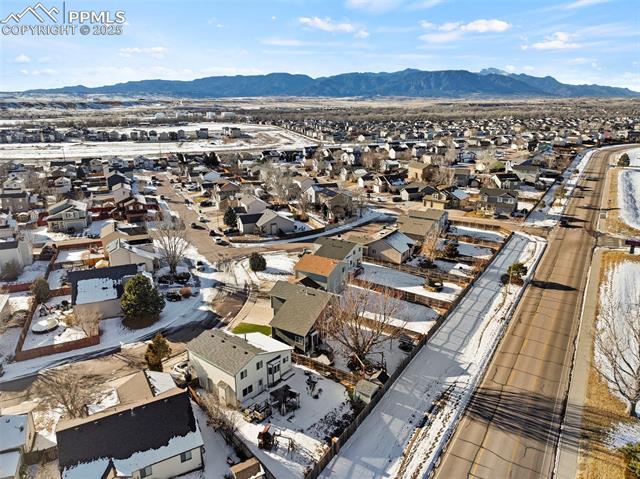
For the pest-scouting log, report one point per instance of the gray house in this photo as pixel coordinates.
(498, 201)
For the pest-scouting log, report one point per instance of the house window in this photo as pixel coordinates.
(146, 472)
(243, 374)
(260, 382)
(499, 200)
(259, 365)
(185, 456)
(285, 359)
(247, 390)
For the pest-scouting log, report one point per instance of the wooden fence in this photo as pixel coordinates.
(338, 442)
(404, 295)
(344, 377)
(423, 273)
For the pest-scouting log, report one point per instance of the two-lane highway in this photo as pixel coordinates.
(512, 425)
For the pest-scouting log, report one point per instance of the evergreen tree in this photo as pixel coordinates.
(230, 217)
(157, 350)
(141, 299)
(517, 269)
(451, 250)
(257, 262)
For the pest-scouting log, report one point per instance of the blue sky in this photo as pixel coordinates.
(576, 41)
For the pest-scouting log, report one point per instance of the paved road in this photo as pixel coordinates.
(512, 425)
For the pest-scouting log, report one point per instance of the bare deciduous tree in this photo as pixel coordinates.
(345, 320)
(88, 322)
(278, 182)
(430, 242)
(617, 345)
(67, 390)
(11, 270)
(220, 418)
(171, 236)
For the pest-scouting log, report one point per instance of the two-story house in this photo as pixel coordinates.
(238, 367)
(68, 215)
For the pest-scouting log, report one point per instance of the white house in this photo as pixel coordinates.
(121, 252)
(238, 367)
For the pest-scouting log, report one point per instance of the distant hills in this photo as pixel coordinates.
(490, 82)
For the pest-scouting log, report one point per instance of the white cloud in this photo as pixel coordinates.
(22, 58)
(42, 72)
(326, 24)
(274, 18)
(484, 26)
(557, 41)
(24, 72)
(579, 61)
(454, 30)
(362, 34)
(424, 4)
(584, 3)
(510, 68)
(154, 52)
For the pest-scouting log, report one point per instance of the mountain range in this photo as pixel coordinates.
(490, 82)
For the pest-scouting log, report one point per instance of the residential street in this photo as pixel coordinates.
(512, 425)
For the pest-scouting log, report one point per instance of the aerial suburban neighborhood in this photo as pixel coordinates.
(415, 274)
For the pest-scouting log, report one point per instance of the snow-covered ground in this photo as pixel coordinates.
(42, 235)
(95, 227)
(415, 317)
(397, 279)
(56, 278)
(456, 355)
(634, 156)
(629, 197)
(113, 334)
(477, 233)
(308, 426)
(623, 433)
(8, 341)
(216, 451)
(459, 269)
(550, 214)
(619, 308)
(388, 353)
(31, 272)
(62, 334)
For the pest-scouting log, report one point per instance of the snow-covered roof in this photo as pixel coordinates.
(10, 463)
(13, 431)
(399, 241)
(264, 342)
(160, 382)
(94, 290)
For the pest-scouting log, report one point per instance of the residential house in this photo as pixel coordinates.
(388, 245)
(337, 205)
(296, 311)
(527, 173)
(14, 201)
(120, 253)
(16, 251)
(251, 204)
(68, 215)
(327, 273)
(416, 224)
(157, 438)
(506, 181)
(97, 291)
(417, 171)
(416, 191)
(133, 234)
(348, 252)
(272, 223)
(246, 223)
(498, 201)
(238, 367)
(138, 209)
(18, 436)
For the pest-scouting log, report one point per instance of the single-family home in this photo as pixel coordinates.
(498, 201)
(506, 181)
(417, 171)
(348, 252)
(327, 273)
(156, 438)
(272, 223)
(388, 245)
(296, 311)
(15, 251)
(120, 252)
(68, 215)
(416, 224)
(14, 201)
(97, 291)
(137, 235)
(238, 367)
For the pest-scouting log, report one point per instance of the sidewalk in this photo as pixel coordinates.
(568, 452)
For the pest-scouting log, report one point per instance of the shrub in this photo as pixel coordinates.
(11, 270)
(141, 300)
(624, 160)
(40, 290)
(517, 269)
(257, 262)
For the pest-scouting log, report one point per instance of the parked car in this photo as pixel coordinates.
(200, 265)
(206, 203)
(173, 296)
(162, 197)
(187, 202)
(220, 241)
(564, 222)
(214, 233)
(202, 219)
(196, 226)
(181, 374)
